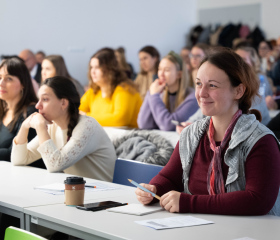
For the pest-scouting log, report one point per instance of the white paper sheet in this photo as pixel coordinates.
(58, 188)
(173, 222)
(244, 238)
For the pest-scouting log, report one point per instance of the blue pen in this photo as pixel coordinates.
(144, 189)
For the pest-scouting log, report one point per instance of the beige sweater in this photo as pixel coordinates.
(89, 152)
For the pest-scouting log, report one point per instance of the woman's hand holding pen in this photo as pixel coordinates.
(145, 197)
(170, 201)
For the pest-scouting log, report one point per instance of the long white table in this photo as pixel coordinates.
(18, 197)
(17, 189)
(108, 225)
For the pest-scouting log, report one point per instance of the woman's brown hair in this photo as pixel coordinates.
(238, 72)
(143, 79)
(123, 63)
(111, 71)
(154, 53)
(59, 65)
(64, 88)
(16, 67)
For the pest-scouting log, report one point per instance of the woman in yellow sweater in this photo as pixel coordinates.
(112, 99)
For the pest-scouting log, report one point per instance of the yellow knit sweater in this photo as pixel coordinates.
(121, 109)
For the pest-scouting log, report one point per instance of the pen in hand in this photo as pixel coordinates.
(144, 189)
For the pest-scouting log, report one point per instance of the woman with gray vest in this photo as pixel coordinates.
(227, 163)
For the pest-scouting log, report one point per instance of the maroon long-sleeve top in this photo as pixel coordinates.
(262, 171)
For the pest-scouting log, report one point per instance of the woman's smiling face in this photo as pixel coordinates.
(214, 93)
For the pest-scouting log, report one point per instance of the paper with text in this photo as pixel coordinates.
(173, 222)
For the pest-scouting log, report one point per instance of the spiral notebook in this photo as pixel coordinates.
(135, 209)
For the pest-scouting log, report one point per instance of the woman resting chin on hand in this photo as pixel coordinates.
(74, 144)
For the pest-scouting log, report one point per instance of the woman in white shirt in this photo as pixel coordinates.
(66, 141)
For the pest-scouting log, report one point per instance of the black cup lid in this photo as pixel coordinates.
(74, 180)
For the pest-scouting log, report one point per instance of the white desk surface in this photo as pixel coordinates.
(17, 187)
(111, 225)
(17, 193)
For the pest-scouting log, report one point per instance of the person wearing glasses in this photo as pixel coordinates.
(198, 52)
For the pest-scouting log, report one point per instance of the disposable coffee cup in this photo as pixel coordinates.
(74, 191)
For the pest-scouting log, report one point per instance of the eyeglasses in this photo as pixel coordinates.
(195, 56)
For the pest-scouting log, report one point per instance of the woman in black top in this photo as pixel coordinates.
(17, 101)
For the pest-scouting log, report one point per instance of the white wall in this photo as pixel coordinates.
(269, 12)
(77, 29)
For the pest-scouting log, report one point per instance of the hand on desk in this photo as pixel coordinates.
(170, 201)
(144, 197)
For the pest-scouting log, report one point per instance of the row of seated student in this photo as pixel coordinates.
(237, 142)
(149, 58)
(149, 61)
(113, 99)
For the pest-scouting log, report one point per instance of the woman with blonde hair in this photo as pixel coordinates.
(54, 65)
(170, 97)
(149, 60)
(112, 99)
